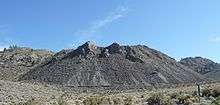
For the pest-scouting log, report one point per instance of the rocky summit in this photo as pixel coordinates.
(16, 61)
(115, 65)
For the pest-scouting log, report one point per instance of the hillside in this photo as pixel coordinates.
(204, 66)
(18, 60)
(112, 66)
(214, 75)
(200, 65)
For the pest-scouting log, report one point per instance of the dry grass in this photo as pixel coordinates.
(40, 95)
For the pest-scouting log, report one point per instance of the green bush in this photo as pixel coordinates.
(159, 99)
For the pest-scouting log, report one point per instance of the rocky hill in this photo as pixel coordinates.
(214, 75)
(204, 66)
(16, 61)
(200, 65)
(115, 65)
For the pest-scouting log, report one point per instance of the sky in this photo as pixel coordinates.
(179, 28)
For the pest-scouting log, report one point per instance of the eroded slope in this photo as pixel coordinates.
(115, 65)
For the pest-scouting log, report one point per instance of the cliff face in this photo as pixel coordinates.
(90, 65)
(17, 61)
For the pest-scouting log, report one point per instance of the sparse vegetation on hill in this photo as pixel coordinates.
(16, 93)
(16, 61)
(159, 99)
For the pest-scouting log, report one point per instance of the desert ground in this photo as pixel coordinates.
(19, 93)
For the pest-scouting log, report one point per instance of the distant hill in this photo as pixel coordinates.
(114, 65)
(203, 66)
(214, 75)
(16, 61)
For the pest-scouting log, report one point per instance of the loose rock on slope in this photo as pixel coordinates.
(112, 66)
(203, 66)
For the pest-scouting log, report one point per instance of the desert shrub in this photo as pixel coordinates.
(174, 95)
(206, 92)
(188, 103)
(117, 101)
(106, 101)
(128, 101)
(195, 93)
(96, 100)
(61, 101)
(188, 99)
(77, 102)
(92, 101)
(194, 99)
(191, 100)
(216, 92)
(216, 102)
(159, 99)
(183, 99)
(30, 102)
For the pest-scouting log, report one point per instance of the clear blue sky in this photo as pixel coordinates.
(179, 28)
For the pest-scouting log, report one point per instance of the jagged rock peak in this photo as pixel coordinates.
(114, 48)
(115, 44)
(89, 48)
(89, 45)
